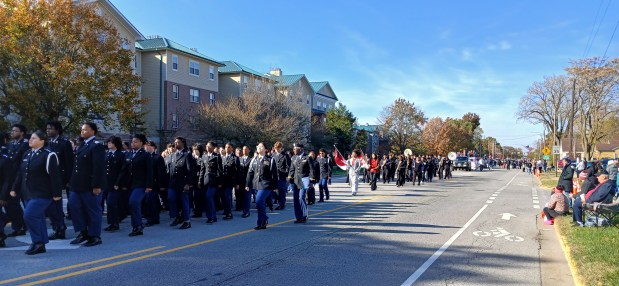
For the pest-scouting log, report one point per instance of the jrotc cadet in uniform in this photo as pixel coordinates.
(152, 202)
(245, 194)
(231, 166)
(311, 192)
(5, 174)
(114, 161)
(393, 167)
(182, 171)
(385, 163)
(87, 181)
(211, 172)
(324, 165)
(283, 167)
(39, 182)
(138, 173)
(17, 148)
(262, 176)
(300, 174)
(401, 168)
(63, 149)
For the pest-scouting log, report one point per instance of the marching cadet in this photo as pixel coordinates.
(385, 163)
(211, 172)
(244, 195)
(114, 161)
(181, 168)
(153, 202)
(63, 149)
(393, 167)
(324, 165)
(38, 182)
(282, 160)
(311, 191)
(87, 181)
(17, 148)
(262, 176)
(230, 178)
(5, 174)
(401, 168)
(197, 195)
(138, 173)
(300, 174)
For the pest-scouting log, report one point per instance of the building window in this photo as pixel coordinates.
(194, 95)
(174, 62)
(194, 68)
(193, 122)
(317, 104)
(174, 121)
(175, 91)
(135, 62)
(307, 98)
(211, 99)
(211, 73)
(244, 82)
(324, 105)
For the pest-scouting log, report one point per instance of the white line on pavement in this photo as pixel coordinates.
(445, 246)
(488, 202)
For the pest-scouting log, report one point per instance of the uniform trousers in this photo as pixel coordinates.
(354, 183)
(176, 198)
(282, 188)
(152, 206)
(113, 201)
(197, 200)
(311, 194)
(3, 220)
(34, 216)
(15, 213)
(227, 199)
(211, 211)
(300, 207)
(56, 215)
(86, 212)
(239, 194)
(261, 198)
(323, 188)
(247, 200)
(135, 203)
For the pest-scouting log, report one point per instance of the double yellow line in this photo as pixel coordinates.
(142, 257)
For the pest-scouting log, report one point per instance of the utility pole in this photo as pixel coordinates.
(572, 119)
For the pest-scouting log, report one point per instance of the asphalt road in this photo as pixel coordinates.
(477, 229)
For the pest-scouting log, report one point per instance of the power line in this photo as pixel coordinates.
(598, 28)
(611, 39)
(597, 14)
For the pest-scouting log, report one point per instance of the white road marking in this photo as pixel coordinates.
(535, 206)
(445, 246)
(488, 202)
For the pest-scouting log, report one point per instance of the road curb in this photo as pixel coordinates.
(570, 260)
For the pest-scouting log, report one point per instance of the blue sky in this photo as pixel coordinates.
(448, 57)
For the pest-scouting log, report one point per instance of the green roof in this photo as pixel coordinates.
(316, 86)
(234, 67)
(287, 80)
(367, 127)
(164, 43)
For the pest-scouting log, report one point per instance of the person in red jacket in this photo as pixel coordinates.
(374, 171)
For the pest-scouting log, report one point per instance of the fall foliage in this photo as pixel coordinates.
(62, 61)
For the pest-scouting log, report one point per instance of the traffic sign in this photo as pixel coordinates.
(546, 157)
(546, 150)
(556, 150)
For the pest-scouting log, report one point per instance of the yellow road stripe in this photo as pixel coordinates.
(56, 278)
(79, 265)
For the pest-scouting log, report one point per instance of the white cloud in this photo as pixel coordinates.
(502, 45)
(466, 54)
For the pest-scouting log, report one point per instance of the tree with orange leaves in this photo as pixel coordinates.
(60, 60)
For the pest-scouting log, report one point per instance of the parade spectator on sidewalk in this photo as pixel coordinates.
(602, 193)
(557, 206)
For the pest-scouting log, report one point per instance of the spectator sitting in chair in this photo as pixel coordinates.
(557, 206)
(604, 192)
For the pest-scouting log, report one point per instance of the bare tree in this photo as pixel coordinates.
(597, 82)
(547, 102)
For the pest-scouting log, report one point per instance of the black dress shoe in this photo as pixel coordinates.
(245, 215)
(2, 239)
(18, 232)
(80, 238)
(228, 217)
(270, 209)
(321, 201)
(59, 234)
(176, 221)
(280, 208)
(112, 227)
(185, 225)
(151, 223)
(260, 227)
(298, 221)
(210, 220)
(93, 241)
(196, 215)
(36, 248)
(309, 204)
(137, 231)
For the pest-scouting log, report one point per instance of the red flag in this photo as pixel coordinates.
(364, 162)
(340, 161)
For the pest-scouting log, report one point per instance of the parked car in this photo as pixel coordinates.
(462, 163)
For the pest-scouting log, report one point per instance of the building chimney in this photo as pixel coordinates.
(276, 72)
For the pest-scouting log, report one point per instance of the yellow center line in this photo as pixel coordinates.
(79, 265)
(117, 263)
